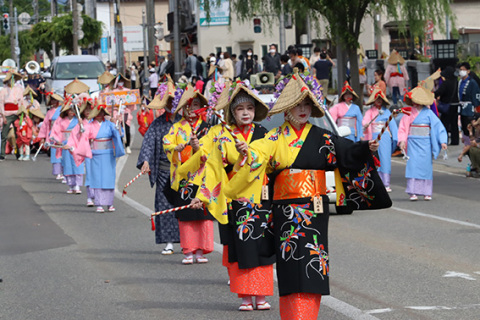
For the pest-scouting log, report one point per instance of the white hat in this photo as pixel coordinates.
(212, 59)
(151, 70)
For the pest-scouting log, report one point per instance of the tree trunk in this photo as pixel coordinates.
(354, 75)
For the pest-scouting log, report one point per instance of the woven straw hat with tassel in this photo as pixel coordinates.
(188, 95)
(261, 109)
(395, 58)
(347, 89)
(53, 97)
(419, 95)
(121, 78)
(96, 107)
(429, 83)
(76, 87)
(295, 92)
(160, 102)
(37, 112)
(378, 94)
(29, 90)
(105, 78)
(16, 76)
(21, 109)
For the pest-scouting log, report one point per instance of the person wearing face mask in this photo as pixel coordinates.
(195, 225)
(469, 98)
(249, 65)
(272, 62)
(153, 160)
(346, 113)
(297, 154)
(242, 223)
(373, 122)
(421, 136)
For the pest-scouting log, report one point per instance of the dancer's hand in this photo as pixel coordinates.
(194, 143)
(196, 203)
(401, 145)
(373, 145)
(145, 167)
(444, 146)
(242, 147)
(180, 147)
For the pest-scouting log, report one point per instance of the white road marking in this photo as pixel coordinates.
(329, 301)
(431, 216)
(422, 308)
(477, 272)
(454, 274)
(374, 311)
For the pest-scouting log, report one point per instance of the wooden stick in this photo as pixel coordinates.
(406, 111)
(130, 182)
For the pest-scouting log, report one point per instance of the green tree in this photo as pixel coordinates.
(25, 42)
(60, 31)
(345, 17)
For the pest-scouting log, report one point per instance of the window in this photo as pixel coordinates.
(218, 49)
(264, 51)
(229, 50)
(80, 70)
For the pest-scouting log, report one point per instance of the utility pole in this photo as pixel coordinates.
(176, 40)
(75, 26)
(119, 38)
(17, 47)
(282, 46)
(145, 45)
(150, 6)
(53, 12)
(12, 35)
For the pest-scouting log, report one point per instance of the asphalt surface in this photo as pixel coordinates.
(61, 260)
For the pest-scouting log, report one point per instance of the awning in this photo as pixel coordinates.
(468, 30)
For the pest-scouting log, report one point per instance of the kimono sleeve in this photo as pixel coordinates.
(247, 182)
(169, 143)
(438, 135)
(362, 187)
(117, 142)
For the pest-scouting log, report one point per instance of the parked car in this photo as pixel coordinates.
(325, 122)
(65, 69)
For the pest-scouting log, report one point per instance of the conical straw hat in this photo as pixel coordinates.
(16, 76)
(160, 102)
(76, 87)
(51, 97)
(419, 95)
(37, 112)
(188, 95)
(295, 92)
(121, 77)
(429, 83)
(261, 109)
(105, 78)
(395, 58)
(377, 93)
(27, 91)
(96, 107)
(21, 109)
(347, 88)
(222, 100)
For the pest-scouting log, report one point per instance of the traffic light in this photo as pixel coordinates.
(158, 30)
(257, 25)
(6, 22)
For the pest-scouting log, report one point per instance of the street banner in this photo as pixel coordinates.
(128, 97)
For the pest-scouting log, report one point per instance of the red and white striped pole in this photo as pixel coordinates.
(130, 182)
(406, 111)
(166, 211)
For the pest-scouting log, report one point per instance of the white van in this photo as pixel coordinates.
(65, 69)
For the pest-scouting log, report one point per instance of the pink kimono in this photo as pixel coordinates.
(394, 79)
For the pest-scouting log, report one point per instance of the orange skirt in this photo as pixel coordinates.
(195, 235)
(225, 262)
(251, 282)
(300, 306)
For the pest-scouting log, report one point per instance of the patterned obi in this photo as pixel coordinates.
(297, 183)
(101, 144)
(350, 122)
(378, 126)
(422, 130)
(10, 107)
(66, 134)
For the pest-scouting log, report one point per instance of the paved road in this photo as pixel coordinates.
(60, 260)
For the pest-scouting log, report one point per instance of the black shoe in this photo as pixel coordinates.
(2, 158)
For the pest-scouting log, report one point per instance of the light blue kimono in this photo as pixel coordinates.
(103, 163)
(388, 142)
(53, 158)
(420, 149)
(354, 111)
(69, 166)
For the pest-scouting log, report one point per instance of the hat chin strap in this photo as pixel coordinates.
(290, 118)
